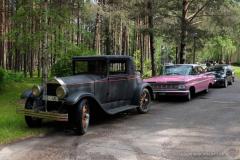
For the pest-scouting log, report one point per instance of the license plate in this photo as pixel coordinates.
(50, 98)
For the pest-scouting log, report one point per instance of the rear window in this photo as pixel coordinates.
(118, 67)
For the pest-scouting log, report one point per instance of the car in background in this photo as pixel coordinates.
(99, 84)
(181, 80)
(224, 75)
(233, 73)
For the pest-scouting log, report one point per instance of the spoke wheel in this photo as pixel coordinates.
(32, 122)
(144, 101)
(85, 116)
(80, 118)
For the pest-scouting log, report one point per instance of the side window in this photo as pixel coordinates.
(117, 67)
(81, 67)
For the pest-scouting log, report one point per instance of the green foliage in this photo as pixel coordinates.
(147, 71)
(9, 76)
(13, 126)
(137, 59)
(14, 76)
(2, 76)
(219, 48)
(237, 71)
(63, 66)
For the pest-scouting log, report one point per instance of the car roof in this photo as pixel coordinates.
(102, 57)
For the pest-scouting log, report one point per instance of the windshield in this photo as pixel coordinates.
(177, 70)
(90, 67)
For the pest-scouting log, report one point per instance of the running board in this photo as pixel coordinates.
(121, 109)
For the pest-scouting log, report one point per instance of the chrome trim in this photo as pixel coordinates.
(170, 91)
(60, 81)
(39, 90)
(44, 115)
(56, 80)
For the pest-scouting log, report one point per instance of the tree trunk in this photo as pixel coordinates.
(107, 37)
(96, 41)
(183, 31)
(45, 46)
(151, 35)
(3, 27)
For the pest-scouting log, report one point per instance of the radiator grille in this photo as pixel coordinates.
(51, 89)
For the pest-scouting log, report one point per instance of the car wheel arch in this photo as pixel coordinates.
(96, 109)
(135, 99)
(150, 91)
(210, 85)
(94, 105)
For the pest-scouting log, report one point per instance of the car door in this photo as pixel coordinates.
(118, 82)
(101, 86)
(196, 79)
(205, 78)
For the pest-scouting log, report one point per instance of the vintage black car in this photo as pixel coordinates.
(99, 83)
(224, 75)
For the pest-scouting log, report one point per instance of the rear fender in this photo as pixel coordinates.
(136, 97)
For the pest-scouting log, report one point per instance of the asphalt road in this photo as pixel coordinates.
(208, 128)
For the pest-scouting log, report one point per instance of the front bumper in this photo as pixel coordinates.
(219, 82)
(171, 93)
(44, 115)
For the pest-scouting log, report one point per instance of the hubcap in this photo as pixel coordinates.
(85, 116)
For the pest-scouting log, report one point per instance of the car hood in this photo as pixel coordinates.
(77, 79)
(170, 79)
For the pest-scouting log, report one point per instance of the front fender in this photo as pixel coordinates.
(74, 98)
(26, 94)
(136, 97)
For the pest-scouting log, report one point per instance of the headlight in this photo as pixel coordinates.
(36, 91)
(61, 92)
(181, 86)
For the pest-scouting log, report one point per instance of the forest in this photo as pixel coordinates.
(39, 37)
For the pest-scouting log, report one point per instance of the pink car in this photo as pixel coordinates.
(182, 80)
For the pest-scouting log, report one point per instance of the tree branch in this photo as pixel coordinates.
(191, 18)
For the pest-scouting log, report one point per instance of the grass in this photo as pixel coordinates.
(12, 125)
(237, 71)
